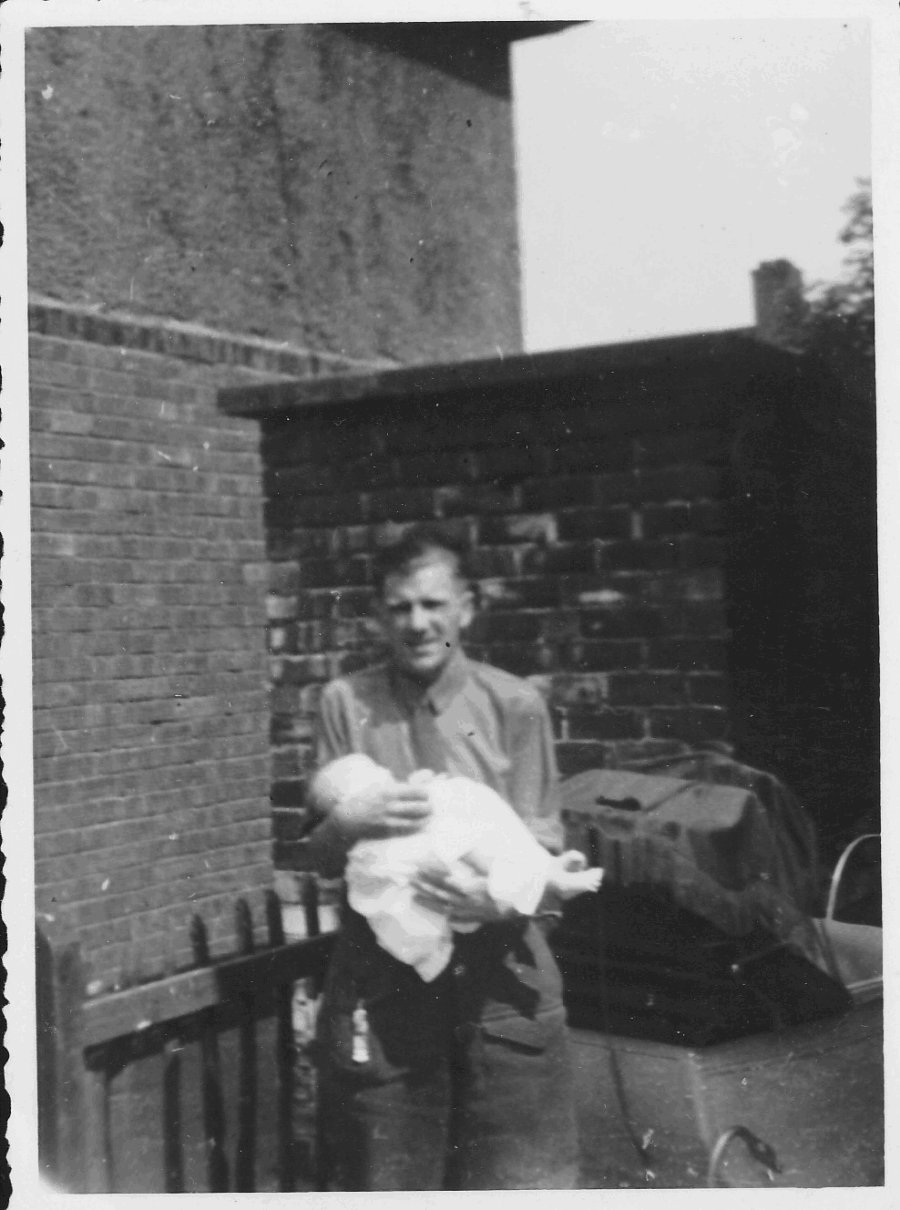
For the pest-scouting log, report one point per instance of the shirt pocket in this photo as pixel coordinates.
(477, 757)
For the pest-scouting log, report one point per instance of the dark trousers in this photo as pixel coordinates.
(490, 1113)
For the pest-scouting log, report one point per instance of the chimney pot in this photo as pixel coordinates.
(780, 305)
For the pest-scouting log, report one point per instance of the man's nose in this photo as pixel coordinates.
(418, 618)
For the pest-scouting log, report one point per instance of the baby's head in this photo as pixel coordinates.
(344, 777)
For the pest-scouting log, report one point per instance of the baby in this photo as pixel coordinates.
(472, 832)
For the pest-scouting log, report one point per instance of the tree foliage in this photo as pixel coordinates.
(840, 325)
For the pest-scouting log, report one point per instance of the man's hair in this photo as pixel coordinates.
(419, 544)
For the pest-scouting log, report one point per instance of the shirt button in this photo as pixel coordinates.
(459, 970)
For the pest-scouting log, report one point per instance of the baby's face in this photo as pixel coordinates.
(348, 776)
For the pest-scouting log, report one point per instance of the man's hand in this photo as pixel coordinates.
(393, 810)
(463, 897)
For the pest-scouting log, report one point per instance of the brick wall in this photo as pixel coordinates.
(674, 540)
(152, 767)
(664, 537)
(592, 509)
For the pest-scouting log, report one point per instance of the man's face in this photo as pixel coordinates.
(423, 612)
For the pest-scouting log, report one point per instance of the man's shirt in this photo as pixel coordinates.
(474, 721)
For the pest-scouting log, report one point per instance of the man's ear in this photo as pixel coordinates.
(467, 608)
(379, 615)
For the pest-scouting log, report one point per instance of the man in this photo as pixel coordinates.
(462, 1082)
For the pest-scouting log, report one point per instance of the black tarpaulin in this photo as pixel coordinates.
(703, 928)
(717, 849)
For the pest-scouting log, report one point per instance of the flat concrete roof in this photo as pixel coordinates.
(457, 47)
(736, 346)
(434, 31)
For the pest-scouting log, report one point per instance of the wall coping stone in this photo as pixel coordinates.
(185, 341)
(732, 348)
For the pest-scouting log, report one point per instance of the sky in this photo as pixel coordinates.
(661, 161)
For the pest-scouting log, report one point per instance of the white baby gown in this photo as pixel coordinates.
(467, 818)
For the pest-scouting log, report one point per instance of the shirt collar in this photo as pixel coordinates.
(440, 693)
